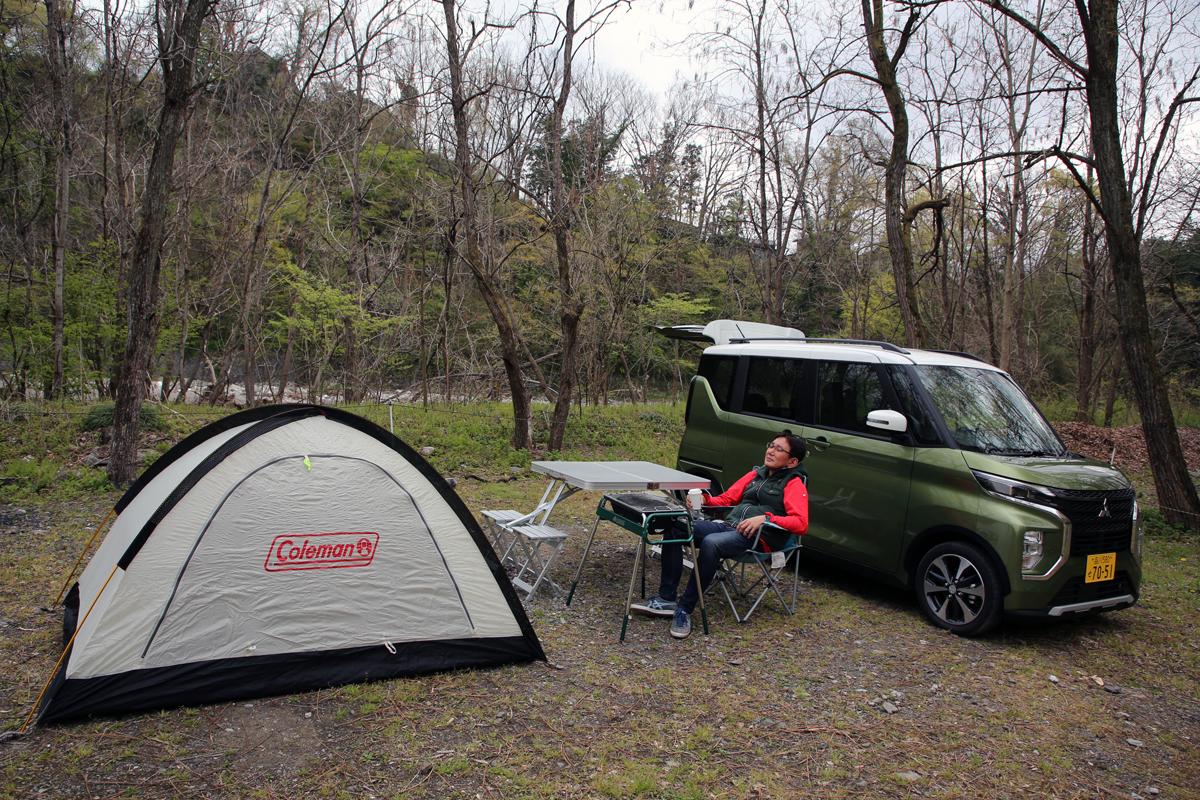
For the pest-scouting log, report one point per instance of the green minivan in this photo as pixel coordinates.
(930, 469)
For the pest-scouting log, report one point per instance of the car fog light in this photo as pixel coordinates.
(1031, 550)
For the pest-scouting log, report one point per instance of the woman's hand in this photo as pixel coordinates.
(749, 526)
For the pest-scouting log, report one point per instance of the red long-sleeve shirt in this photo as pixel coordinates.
(795, 502)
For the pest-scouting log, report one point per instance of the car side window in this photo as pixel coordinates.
(920, 424)
(719, 372)
(846, 392)
(771, 387)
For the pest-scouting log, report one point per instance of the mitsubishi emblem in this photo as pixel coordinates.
(1104, 512)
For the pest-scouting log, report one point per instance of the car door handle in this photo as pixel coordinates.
(819, 443)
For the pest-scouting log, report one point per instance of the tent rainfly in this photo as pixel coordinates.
(279, 549)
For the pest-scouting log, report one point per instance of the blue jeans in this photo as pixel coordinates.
(715, 539)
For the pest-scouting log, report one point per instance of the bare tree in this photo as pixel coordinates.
(563, 201)
(1125, 223)
(771, 113)
(900, 215)
(179, 26)
(465, 237)
(57, 56)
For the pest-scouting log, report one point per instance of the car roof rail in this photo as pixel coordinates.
(960, 354)
(871, 342)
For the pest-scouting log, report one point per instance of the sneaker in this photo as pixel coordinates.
(655, 606)
(681, 626)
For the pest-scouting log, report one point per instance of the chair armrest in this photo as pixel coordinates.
(777, 532)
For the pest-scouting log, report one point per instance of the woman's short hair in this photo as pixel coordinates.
(795, 444)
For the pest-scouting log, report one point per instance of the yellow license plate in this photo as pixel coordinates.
(1100, 567)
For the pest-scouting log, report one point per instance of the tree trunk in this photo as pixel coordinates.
(1088, 280)
(510, 345)
(56, 51)
(895, 204)
(178, 39)
(1177, 496)
(1110, 400)
(570, 309)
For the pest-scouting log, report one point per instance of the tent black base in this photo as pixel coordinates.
(260, 676)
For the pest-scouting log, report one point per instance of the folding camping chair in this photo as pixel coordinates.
(750, 577)
(495, 525)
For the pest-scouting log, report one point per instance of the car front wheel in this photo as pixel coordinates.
(958, 589)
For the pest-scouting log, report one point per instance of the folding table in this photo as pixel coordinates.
(532, 545)
(625, 476)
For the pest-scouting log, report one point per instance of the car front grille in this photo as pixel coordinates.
(1076, 591)
(1101, 522)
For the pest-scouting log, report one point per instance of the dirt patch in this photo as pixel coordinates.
(1125, 446)
(263, 740)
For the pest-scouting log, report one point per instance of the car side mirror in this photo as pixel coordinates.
(887, 420)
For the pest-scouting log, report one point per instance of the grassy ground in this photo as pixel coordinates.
(853, 696)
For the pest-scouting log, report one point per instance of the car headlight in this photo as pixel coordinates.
(1011, 489)
(1031, 550)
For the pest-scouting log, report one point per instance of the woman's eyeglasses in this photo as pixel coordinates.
(784, 450)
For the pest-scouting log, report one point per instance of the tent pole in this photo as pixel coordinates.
(66, 649)
(63, 591)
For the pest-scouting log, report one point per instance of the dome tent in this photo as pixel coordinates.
(280, 549)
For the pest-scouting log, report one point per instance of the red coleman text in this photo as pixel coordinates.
(292, 551)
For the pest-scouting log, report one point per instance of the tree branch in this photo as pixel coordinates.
(1038, 34)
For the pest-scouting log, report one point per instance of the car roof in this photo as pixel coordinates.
(850, 350)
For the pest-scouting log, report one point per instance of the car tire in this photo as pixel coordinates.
(959, 589)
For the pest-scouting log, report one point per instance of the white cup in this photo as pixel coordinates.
(695, 499)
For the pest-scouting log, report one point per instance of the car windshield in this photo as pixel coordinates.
(987, 412)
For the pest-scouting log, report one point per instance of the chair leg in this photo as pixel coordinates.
(737, 584)
(546, 561)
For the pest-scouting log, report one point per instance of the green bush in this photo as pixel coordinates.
(32, 474)
(85, 481)
(22, 411)
(150, 417)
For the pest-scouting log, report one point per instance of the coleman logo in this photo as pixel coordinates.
(1104, 512)
(293, 551)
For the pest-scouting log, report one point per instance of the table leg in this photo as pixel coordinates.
(644, 560)
(637, 562)
(579, 570)
(696, 578)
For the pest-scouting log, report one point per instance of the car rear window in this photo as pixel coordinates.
(771, 387)
(719, 371)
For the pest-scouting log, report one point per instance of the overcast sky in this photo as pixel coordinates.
(647, 40)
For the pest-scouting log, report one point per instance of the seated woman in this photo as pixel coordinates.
(772, 493)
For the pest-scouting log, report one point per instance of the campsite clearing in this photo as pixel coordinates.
(854, 696)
